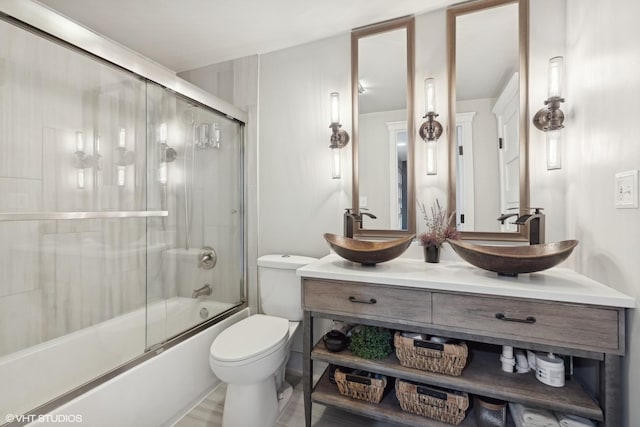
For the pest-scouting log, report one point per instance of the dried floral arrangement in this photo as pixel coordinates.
(440, 226)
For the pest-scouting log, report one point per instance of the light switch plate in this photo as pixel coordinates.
(626, 190)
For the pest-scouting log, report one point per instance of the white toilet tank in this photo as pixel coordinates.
(279, 287)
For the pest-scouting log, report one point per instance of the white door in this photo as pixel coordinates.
(507, 111)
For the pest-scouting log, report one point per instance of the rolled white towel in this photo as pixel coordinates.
(532, 417)
(568, 420)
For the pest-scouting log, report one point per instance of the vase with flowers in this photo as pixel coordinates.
(440, 227)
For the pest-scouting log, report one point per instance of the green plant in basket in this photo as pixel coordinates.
(371, 342)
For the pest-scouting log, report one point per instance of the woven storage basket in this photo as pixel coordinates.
(359, 387)
(440, 404)
(447, 359)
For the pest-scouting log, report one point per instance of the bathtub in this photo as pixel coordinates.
(33, 376)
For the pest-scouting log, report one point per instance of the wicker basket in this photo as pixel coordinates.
(449, 359)
(440, 404)
(359, 387)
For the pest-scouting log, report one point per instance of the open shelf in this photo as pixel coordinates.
(481, 376)
(387, 410)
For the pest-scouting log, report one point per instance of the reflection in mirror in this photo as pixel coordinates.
(382, 79)
(487, 66)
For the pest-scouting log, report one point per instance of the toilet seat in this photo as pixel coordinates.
(249, 340)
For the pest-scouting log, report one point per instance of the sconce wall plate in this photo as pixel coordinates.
(430, 130)
(550, 117)
(339, 137)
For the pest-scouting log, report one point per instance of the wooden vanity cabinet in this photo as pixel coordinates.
(586, 331)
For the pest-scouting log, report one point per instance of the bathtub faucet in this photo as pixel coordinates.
(205, 290)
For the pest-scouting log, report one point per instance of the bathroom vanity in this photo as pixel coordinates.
(557, 311)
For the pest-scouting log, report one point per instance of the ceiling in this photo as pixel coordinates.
(187, 34)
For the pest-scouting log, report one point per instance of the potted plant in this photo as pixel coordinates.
(371, 342)
(440, 227)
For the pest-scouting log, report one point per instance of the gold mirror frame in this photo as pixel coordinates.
(407, 23)
(523, 43)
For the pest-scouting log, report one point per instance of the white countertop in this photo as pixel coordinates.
(555, 284)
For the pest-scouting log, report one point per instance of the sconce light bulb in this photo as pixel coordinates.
(163, 132)
(335, 107)
(335, 163)
(216, 135)
(162, 173)
(121, 176)
(555, 76)
(122, 140)
(554, 156)
(79, 141)
(80, 179)
(432, 157)
(430, 95)
(98, 141)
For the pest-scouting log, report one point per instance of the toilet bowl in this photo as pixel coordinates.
(251, 355)
(246, 356)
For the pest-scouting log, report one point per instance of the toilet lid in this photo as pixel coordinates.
(250, 337)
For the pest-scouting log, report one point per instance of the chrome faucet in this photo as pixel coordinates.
(207, 258)
(205, 290)
(350, 219)
(536, 222)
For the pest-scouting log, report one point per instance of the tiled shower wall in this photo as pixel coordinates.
(59, 276)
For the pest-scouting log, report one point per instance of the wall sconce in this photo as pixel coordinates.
(550, 118)
(167, 154)
(339, 137)
(123, 157)
(431, 129)
(81, 160)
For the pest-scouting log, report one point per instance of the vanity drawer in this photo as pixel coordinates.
(352, 298)
(586, 327)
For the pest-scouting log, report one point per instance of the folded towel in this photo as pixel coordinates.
(525, 416)
(567, 420)
(539, 417)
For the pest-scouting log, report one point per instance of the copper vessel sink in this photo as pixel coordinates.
(367, 252)
(513, 260)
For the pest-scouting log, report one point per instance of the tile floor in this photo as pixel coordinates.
(209, 412)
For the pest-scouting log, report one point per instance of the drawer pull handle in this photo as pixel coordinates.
(529, 319)
(354, 299)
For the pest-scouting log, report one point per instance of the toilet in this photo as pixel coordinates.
(251, 355)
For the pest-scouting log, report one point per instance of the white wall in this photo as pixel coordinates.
(602, 128)
(298, 200)
(431, 61)
(548, 188)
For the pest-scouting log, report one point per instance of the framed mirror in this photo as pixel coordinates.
(488, 132)
(382, 75)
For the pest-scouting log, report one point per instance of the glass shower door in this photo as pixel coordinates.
(196, 253)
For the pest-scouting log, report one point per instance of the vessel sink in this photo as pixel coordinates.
(513, 260)
(367, 252)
